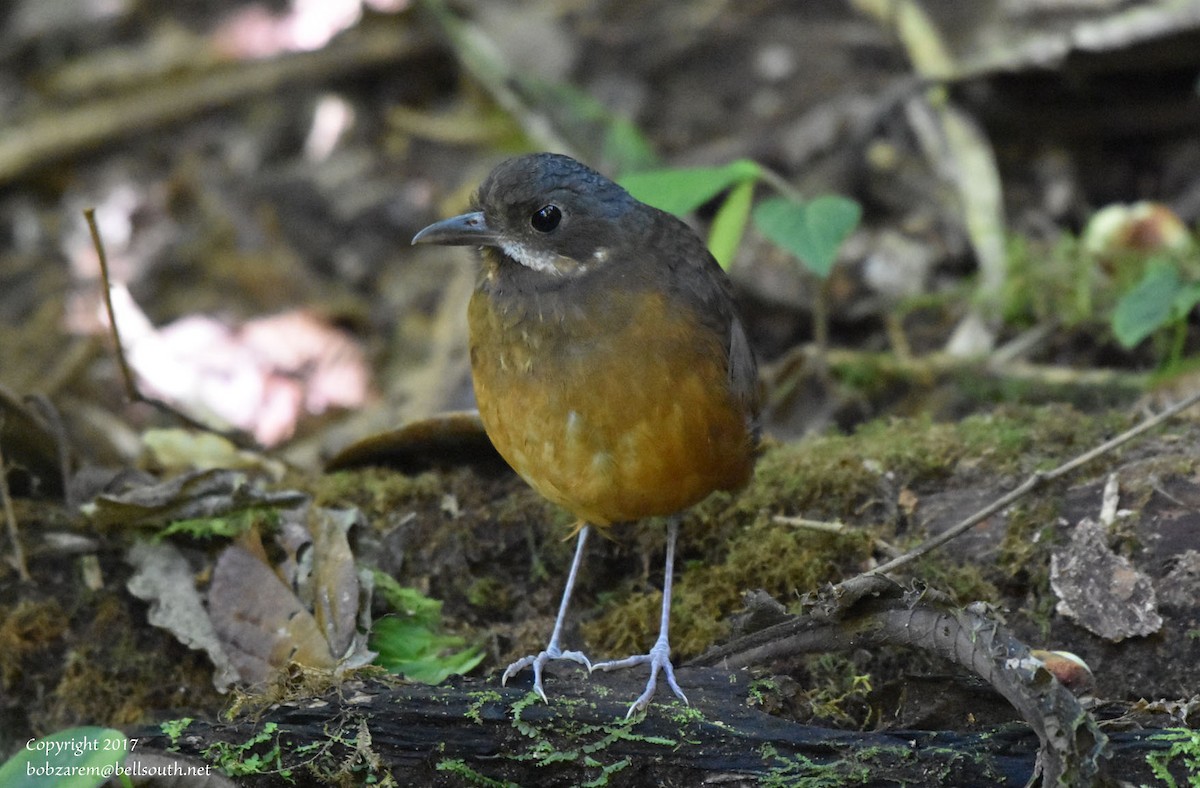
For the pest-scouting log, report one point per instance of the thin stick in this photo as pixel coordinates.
(10, 518)
(131, 391)
(780, 184)
(1030, 484)
(825, 527)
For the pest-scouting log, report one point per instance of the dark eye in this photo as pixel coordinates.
(546, 218)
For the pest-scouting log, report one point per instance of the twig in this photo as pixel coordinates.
(1033, 482)
(924, 366)
(1110, 500)
(10, 517)
(1072, 744)
(954, 141)
(780, 184)
(836, 527)
(131, 390)
(823, 526)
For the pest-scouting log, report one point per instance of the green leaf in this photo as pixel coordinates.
(813, 231)
(626, 147)
(1150, 305)
(408, 647)
(679, 191)
(73, 758)
(1185, 300)
(730, 223)
(228, 526)
(409, 643)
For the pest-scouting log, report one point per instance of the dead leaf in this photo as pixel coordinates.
(163, 578)
(179, 449)
(262, 625)
(306, 610)
(191, 496)
(1100, 590)
(335, 577)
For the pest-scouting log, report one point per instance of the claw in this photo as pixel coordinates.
(538, 661)
(659, 660)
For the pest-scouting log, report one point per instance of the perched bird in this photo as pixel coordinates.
(610, 367)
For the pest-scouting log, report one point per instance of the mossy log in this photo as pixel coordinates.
(474, 732)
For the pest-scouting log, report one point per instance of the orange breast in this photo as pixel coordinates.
(615, 412)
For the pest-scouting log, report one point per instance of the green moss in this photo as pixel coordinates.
(965, 583)
(173, 730)
(260, 754)
(478, 699)
(561, 738)
(376, 490)
(731, 543)
(154, 671)
(799, 771)
(27, 628)
(1025, 552)
(1184, 751)
(838, 691)
(763, 692)
(1054, 282)
(459, 768)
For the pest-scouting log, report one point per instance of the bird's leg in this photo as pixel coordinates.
(538, 661)
(659, 657)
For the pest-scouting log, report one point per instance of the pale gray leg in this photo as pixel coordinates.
(659, 657)
(553, 651)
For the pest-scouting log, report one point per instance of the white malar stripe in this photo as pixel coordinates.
(546, 262)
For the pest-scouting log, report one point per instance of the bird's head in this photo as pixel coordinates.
(546, 212)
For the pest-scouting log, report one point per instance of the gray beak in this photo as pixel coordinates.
(469, 229)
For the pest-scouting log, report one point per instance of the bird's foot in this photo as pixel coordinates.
(538, 661)
(659, 659)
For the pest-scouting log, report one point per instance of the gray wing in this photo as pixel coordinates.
(743, 375)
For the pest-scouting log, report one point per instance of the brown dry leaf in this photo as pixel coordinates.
(304, 611)
(335, 578)
(163, 578)
(262, 625)
(202, 494)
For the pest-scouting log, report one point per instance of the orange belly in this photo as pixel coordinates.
(633, 421)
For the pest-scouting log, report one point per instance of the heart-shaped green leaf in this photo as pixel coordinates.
(813, 231)
(679, 191)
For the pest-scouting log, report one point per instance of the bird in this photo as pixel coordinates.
(611, 368)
